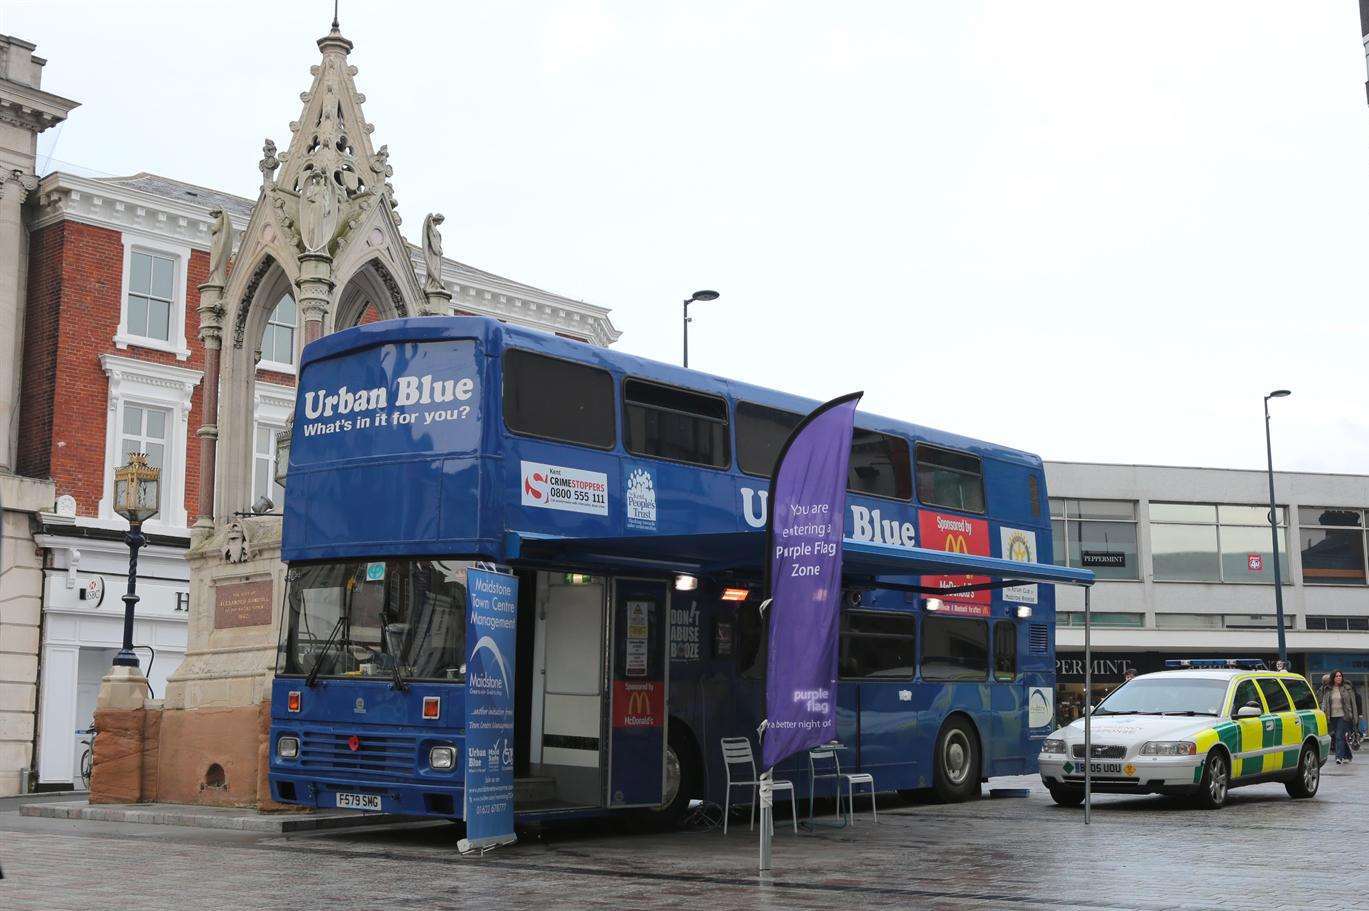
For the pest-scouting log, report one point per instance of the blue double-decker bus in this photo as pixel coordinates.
(629, 498)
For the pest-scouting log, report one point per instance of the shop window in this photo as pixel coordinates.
(1303, 697)
(1274, 696)
(1332, 542)
(677, 424)
(761, 433)
(558, 400)
(954, 649)
(877, 645)
(1004, 650)
(954, 480)
(1103, 618)
(1097, 535)
(1201, 542)
(1334, 624)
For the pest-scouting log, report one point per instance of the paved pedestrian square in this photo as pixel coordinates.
(1141, 854)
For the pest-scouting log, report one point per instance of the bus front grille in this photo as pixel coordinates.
(383, 756)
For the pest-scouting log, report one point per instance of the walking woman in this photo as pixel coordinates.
(1338, 702)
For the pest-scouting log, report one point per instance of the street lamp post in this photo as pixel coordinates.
(696, 296)
(135, 498)
(1274, 529)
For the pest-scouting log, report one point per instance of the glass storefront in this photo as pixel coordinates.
(1110, 669)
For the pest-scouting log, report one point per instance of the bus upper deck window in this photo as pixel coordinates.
(954, 480)
(558, 400)
(761, 433)
(879, 465)
(673, 423)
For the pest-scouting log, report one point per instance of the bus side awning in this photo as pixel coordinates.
(744, 552)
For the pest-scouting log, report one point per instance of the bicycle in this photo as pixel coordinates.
(87, 757)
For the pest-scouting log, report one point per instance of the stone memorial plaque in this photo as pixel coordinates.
(242, 604)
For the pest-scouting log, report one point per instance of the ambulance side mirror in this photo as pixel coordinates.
(1249, 710)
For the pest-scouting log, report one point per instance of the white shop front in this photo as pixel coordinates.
(83, 615)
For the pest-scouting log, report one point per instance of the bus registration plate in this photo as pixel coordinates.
(359, 802)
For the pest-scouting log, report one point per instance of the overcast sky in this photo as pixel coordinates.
(1096, 230)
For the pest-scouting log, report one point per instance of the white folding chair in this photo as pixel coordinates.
(824, 763)
(737, 752)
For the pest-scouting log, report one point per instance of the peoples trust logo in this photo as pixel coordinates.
(641, 498)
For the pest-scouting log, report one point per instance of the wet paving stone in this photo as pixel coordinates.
(1140, 854)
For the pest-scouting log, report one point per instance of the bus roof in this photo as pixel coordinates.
(497, 336)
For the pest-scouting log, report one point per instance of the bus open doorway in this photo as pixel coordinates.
(592, 697)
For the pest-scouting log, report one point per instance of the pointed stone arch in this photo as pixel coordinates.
(373, 284)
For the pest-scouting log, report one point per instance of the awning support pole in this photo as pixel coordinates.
(1088, 708)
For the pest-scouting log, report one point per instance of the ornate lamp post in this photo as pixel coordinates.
(136, 495)
(696, 296)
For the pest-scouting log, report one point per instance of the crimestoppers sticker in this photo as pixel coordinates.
(569, 489)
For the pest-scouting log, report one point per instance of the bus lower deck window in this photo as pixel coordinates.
(955, 649)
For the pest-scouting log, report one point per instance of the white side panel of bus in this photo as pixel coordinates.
(568, 648)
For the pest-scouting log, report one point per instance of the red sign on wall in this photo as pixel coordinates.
(1255, 562)
(959, 535)
(638, 703)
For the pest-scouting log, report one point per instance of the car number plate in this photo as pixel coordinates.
(1105, 768)
(359, 802)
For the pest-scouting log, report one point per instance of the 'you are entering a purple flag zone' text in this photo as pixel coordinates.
(800, 541)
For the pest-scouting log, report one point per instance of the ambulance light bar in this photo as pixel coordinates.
(1245, 664)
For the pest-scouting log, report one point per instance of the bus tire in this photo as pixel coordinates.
(683, 775)
(956, 762)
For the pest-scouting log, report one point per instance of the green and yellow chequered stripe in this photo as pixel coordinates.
(1266, 732)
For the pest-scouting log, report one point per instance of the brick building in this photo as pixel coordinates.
(107, 341)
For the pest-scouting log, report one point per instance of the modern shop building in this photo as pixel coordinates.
(1184, 560)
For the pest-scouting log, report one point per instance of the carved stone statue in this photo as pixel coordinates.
(220, 247)
(268, 164)
(380, 163)
(432, 251)
(318, 213)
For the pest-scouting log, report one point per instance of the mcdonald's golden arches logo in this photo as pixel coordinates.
(956, 544)
(639, 702)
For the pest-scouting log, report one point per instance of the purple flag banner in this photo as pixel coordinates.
(807, 503)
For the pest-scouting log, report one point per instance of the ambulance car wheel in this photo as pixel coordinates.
(1067, 796)
(955, 763)
(1215, 783)
(1307, 779)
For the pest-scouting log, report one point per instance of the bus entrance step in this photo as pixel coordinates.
(534, 790)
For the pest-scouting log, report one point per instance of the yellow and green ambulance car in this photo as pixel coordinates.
(1198, 731)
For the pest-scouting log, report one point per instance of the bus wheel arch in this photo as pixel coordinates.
(957, 759)
(685, 759)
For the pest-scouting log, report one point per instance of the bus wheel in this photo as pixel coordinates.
(955, 764)
(681, 777)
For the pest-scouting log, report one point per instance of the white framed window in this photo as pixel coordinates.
(278, 339)
(264, 465)
(144, 428)
(152, 314)
(149, 412)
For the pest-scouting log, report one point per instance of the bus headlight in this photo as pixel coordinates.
(287, 747)
(1169, 748)
(442, 758)
(1053, 746)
